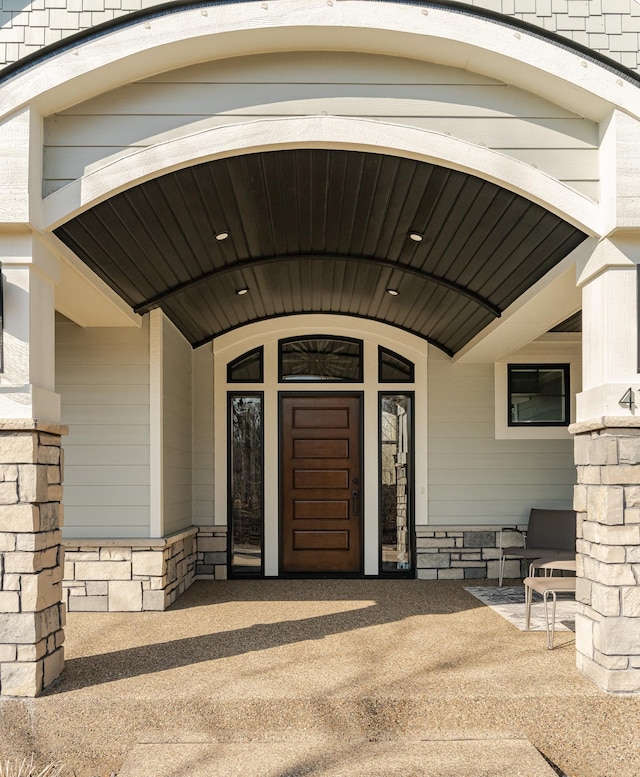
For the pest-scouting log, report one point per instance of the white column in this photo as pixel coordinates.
(27, 382)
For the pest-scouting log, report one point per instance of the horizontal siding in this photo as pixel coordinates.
(177, 444)
(103, 379)
(431, 97)
(203, 438)
(474, 478)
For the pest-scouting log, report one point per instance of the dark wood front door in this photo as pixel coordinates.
(321, 488)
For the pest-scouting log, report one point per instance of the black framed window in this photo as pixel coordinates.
(393, 368)
(395, 450)
(248, 368)
(246, 484)
(320, 358)
(538, 394)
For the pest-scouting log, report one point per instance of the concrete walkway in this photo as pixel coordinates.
(316, 666)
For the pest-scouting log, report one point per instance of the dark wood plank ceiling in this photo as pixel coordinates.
(321, 231)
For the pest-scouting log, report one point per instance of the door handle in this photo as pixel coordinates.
(354, 502)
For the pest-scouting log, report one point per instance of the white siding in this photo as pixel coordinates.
(102, 376)
(433, 97)
(203, 435)
(176, 419)
(474, 478)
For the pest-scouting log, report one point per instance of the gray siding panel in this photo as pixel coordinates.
(474, 478)
(103, 380)
(430, 97)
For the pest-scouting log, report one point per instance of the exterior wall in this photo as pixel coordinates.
(103, 378)
(176, 419)
(608, 26)
(475, 479)
(422, 95)
(116, 576)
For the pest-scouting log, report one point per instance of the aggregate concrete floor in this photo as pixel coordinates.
(336, 662)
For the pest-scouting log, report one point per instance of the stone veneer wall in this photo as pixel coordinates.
(464, 553)
(211, 562)
(32, 615)
(128, 575)
(607, 501)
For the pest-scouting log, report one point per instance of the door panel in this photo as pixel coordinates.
(321, 521)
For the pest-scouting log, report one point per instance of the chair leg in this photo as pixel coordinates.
(528, 597)
(500, 571)
(550, 630)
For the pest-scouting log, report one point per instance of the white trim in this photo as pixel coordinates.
(319, 132)
(553, 348)
(156, 425)
(438, 34)
(373, 333)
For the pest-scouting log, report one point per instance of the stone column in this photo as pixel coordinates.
(31, 557)
(607, 500)
(607, 455)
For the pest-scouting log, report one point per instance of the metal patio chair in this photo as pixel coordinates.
(550, 534)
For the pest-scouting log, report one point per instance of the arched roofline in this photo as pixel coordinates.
(326, 132)
(175, 6)
(176, 35)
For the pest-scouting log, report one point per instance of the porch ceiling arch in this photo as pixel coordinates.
(321, 230)
(176, 35)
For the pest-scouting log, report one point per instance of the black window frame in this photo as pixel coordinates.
(239, 359)
(409, 573)
(566, 369)
(339, 338)
(233, 572)
(402, 360)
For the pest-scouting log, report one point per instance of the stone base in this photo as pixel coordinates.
(463, 553)
(607, 503)
(128, 575)
(211, 561)
(32, 615)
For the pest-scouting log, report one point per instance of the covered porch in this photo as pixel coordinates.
(339, 668)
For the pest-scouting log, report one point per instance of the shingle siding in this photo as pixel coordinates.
(610, 27)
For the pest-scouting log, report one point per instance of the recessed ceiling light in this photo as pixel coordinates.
(416, 237)
(222, 235)
(241, 292)
(393, 292)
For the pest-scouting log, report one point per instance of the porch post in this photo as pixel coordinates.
(31, 554)
(607, 455)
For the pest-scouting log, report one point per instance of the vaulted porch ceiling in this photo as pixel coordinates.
(321, 231)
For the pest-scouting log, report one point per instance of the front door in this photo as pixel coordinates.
(321, 514)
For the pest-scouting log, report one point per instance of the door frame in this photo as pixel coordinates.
(360, 395)
(210, 362)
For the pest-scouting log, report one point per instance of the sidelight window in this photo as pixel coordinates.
(246, 444)
(396, 503)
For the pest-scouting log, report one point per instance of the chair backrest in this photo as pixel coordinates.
(552, 529)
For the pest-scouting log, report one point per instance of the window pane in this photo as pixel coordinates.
(246, 485)
(393, 368)
(321, 359)
(246, 368)
(538, 395)
(395, 488)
